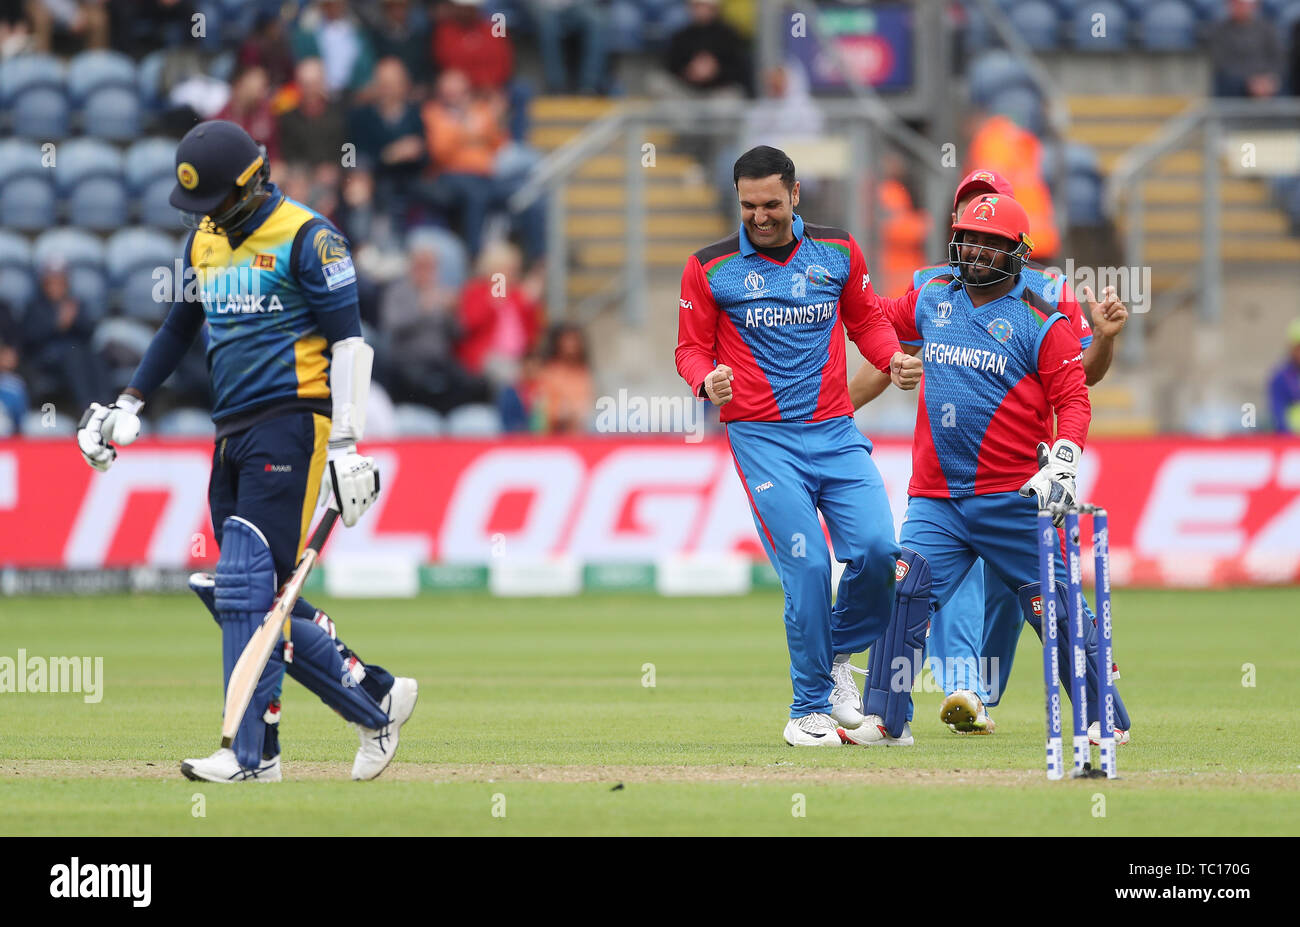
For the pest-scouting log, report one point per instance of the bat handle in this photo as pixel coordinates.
(323, 529)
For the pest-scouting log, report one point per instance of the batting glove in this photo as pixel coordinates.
(101, 427)
(351, 480)
(1053, 484)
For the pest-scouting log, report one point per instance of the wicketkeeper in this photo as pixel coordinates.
(271, 284)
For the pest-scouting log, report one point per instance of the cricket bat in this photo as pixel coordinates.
(249, 666)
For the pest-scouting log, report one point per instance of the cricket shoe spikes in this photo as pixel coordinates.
(223, 767)
(379, 745)
(814, 730)
(964, 713)
(872, 733)
(1094, 735)
(846, 700)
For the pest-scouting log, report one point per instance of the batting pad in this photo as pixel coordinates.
(901, 649)
(242, 593)
(319, 667)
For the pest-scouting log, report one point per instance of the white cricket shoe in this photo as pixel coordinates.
(846, 700)
(1094, 735)
(964, 713)
(872, 733)
(378, 746)
(814, 730)
(223, 767)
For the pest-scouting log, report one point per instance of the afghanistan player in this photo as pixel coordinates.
(761, 333)
(271, 284)
(1000, 364)
(963, 675)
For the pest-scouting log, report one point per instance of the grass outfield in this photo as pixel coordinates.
(537, 709)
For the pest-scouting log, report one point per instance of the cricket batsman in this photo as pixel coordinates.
(970, 693)
(1000, 364)
(761, 326)
(290, 374)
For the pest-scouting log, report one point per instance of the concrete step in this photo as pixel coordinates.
(1107, 398)
(1232, 249)
(1113, 135)
(612, 254)
(1177, 163)
(1084, 107)
(680, 226)
(1123, 426)
(614, 196)
(548, 109)
(1256, 222)
(549, 137)
(1190, 192)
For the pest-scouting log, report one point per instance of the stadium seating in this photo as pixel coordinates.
(84, 257)
(1023, 106)
(418, 421)
(154, 207)
(19, 156)
(149, 79)
(92, 70)
(99, 203)
(474, 421)
(994, 72)
(147, 160)
(81, 159)
(185, 423)
(453, 259)
(1037, 23)
(40, 112)
(24, 71)
(135, 254)
(28, 203)
(113, 113)
(17, 279)
(35, 426)
(1169, 25)
(1113, 28)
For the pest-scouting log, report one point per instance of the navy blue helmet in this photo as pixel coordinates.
(219, 172)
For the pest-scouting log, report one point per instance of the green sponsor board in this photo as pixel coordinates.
(622, 576)
(453, 577)
(764, 577)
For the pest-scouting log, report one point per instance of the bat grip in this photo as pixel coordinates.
(323, 529)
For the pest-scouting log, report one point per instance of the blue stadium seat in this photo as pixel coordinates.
(1287, 18)
(1114, 25)
(40, 113)
(626, 26)
(1208, 10)
(1083, 199)
(138, 247)
(35, 426)
(17, 278)
(113, 113)
(147, 160)
(413, 420)
(453, 259)
(992, 73)
(1169, 25)
(28, 204)
(23, 71)
(148, 75)
(153, 206)
(1023, 106)
(186, 423)
(79, 159)
(1080, 158)
(478, 421)
(91, 70)
(18, 157)
(99, 203)
(1038, 24)
(73, 244)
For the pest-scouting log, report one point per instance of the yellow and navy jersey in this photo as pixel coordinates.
(274, 296)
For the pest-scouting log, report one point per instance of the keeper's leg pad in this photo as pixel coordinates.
(319, 667)
(370, 676)
(243, 592)
(1094, 699)
(897, 657)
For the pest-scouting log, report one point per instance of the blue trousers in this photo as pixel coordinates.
(791, 471)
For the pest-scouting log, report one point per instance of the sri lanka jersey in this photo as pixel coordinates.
(780, 326)
(994, 375)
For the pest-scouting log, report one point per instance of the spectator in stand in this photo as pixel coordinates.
(68, 26)
(327, 30)
(464, 133)
(1245, 52)
(903, 229)
(464, 40)
(500, 317)
(1017, 154)
(250, 107)
(389, 136)
(268, 48)
(708, 58)
(585, 20)
(145, 25)
(56, 339)
(398, 30)
(1284, 385)
(15, 32)
(563, 394)
(417, 317)
(13, 391)
(313, 132)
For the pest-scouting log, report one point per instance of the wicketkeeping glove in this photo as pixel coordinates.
(103, 426)
(1054, 481)
(350, 479)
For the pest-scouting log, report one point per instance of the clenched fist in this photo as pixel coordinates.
(905, 370)
(717, 385)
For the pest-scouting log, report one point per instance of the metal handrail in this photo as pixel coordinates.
(1138, 160)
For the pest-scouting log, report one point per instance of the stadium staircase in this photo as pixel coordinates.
(682, 208)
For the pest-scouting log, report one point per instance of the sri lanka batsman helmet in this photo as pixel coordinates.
(214, 160)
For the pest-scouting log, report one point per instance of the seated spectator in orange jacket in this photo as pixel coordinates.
(563, 394)
(499, 316)
(999, 144)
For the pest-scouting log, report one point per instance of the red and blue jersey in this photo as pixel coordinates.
(780, 326)
(1052, 287)
(994, 376)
